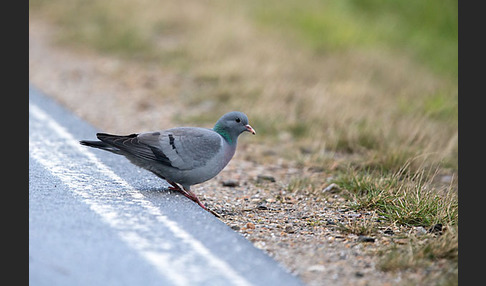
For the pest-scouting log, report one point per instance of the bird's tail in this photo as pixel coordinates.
(108, 142)
(100, 145)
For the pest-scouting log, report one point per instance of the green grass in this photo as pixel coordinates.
(423, 252)
(425, 29)
(404, 197)
(122, 28)
(407, 198)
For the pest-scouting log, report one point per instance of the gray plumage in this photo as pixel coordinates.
(183, 155)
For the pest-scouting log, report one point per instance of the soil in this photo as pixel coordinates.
(302, 232)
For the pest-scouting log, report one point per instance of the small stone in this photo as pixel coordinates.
(230, 183)
(330, 222)
(388, 231)
(260, 244)
(436, 228)
(262, 178)
(359, 274)
(317, 268)
(420, 230)
(289, 229)
(363, 238)
(332, 188)
(250, 225)
(262, 207)
(235, 227)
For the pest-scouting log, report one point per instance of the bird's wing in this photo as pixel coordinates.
(132, 145)
(183, 148)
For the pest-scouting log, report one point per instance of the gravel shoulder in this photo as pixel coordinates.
(303, 233)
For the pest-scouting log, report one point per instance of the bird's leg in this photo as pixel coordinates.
(186, 193)
(176, 187)
(189, 194)
(193, 197)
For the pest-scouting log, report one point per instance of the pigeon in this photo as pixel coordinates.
(182, 156)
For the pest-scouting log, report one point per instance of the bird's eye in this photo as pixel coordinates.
(238, 120)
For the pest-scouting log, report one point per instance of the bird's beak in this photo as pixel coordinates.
(250, 129)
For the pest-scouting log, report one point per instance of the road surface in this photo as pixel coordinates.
(95, 219)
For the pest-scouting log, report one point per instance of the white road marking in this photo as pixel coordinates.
(134, 218)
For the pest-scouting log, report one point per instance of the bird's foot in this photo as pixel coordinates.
(191, 196)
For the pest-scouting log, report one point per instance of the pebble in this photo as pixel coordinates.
(250, 225)
(436, 228)
(262, 207)
(420, 230)
(268, 178)
(388, 231)
(363, 238)
(330, 222)
(259, 244)
(332, 188)
(289, 229)
(316, 268)
(230, 183)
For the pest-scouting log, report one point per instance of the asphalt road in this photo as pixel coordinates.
(95, 219)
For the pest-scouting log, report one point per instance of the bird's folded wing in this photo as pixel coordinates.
(131, 144)
(183, 148)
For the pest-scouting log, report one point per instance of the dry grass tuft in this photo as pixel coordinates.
(423, 252)
(405, 197)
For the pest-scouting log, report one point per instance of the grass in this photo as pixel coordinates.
(419, 252)
(403, 198)
(408, 199)
(134, 28)
(301, 184)
(369, 84)
(413, 27)
(423, 252)
(367, 226)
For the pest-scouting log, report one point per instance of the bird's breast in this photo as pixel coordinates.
(213, 167)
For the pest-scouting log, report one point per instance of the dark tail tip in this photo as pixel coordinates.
(96, 144)
(100, 145)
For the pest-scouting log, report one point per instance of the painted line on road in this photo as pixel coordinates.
(127, 211)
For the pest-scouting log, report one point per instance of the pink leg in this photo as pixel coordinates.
(190, 195)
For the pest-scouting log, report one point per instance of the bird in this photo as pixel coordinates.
(182, 156)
